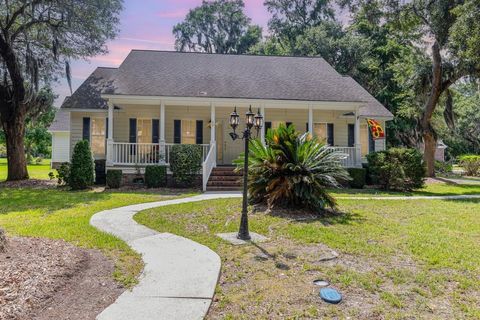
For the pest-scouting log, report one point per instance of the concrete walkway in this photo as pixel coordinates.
(180, 275)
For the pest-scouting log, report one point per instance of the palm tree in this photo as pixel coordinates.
(293, 170)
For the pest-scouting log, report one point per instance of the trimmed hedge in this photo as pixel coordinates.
(471, 164)
(82, 167)
(397, 169)
(114, 178)
(156, 176)
(185, 163)
(359, 177)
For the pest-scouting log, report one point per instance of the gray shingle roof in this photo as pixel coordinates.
(373, 108)
(61, 121)
(179, 74)
(88, 95)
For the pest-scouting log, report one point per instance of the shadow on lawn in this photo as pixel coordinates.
(326, 218)
(49, 199)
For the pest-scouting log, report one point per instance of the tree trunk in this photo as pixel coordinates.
(429, 153)
(429, 139)
(15, 134)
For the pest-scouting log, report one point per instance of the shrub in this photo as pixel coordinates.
(359, 177)
(3, 241)
(443, 167)
(293, 170)
(156, 176)
(63, 174)
(114, 178)
(397, 169)
(185, 163)
(471, 164)
(82, 167)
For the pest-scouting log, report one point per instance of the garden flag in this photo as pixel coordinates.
(376, 129)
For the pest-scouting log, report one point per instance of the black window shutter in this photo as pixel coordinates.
(199, 132)
(155, 130)
(330, 134)
(133, 130)
(86, 129)
(351, 135)
(306, 127)
(106, 128)
(268, 125)
(133, 134)
(288, 124)
(371, 142)
(177, 131)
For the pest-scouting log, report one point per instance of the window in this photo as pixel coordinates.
(320, 131)
(144, 131)
(98, 136)
(324, 132)
(189, 131)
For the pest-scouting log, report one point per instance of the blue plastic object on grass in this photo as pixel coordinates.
(330, 295)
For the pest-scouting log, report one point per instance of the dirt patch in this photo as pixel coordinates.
(49, 279)
(274, 280)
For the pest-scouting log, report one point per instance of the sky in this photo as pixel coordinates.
(146, 24)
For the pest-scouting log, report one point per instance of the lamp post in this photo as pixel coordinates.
(251, 120)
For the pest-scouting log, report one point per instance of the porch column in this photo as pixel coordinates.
(162, 132)
(110, 134)
(310, 119)
(262, 131)
(213, 132)
(358, 146)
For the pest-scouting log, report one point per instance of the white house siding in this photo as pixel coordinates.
(76, 125)
(60, 147)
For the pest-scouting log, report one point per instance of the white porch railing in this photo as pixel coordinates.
(350, 160)
(208, 164)
(143, 154)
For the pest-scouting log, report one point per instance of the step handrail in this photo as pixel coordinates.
(209, 163)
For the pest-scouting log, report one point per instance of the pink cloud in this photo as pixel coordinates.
(175, 14)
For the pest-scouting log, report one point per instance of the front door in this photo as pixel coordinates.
(232, 149)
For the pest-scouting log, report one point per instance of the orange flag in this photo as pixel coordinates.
(376, 129)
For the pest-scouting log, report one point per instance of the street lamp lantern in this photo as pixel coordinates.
(252, 120)
(234, 119)
(258, 121)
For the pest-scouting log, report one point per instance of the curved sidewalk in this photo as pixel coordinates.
(180, 275)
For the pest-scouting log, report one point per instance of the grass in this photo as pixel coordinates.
(58, 214)
(35, 171)
(431, 189)
(398, 259)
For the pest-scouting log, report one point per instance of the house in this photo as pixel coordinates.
(156, 99)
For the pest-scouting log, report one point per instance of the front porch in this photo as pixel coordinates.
(139, 132)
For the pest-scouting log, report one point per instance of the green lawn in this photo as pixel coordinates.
(36, 171)
(58, 214)
(398, 259)
(433, 189)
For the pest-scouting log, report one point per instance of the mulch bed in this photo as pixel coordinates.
(50, 279)
(30, 183)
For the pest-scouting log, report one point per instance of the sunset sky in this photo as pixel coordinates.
(146, 24)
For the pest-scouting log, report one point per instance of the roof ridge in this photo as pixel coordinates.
(229, 54)
(100, 67)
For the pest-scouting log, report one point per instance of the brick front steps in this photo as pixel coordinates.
(224, 179)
